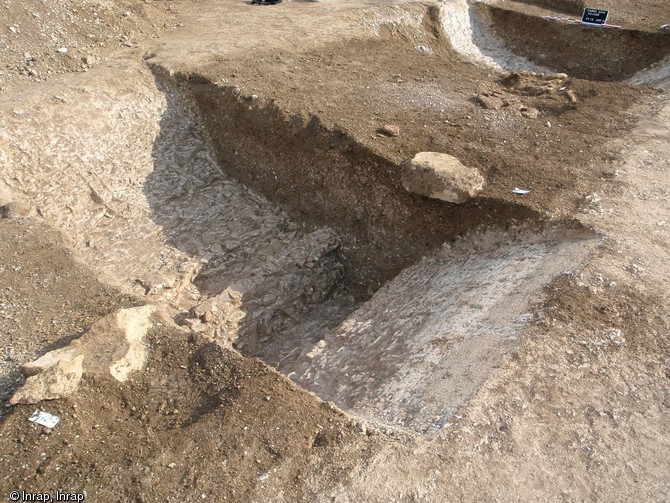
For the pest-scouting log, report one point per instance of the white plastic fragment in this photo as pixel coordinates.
(521, 192)
(44, 419)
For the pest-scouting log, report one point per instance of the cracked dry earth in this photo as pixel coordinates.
(320, 333)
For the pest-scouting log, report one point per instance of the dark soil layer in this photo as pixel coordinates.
(199, 415)
(325, 177)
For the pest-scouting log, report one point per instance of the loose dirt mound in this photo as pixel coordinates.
(43, 39)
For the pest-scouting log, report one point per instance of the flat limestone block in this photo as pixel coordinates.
(441, 176)
(51, 359)
(113, 347)
(58, 381)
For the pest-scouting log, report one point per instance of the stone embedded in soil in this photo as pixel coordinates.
(441, 176)
(58, 381)
(490, 102)
(571, 96)
(390, 130)
(113, 347)
(535, 84)
(529, 112)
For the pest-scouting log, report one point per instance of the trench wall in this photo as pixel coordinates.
(324, 177)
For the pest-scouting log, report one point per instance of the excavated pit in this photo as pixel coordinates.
(302, 291)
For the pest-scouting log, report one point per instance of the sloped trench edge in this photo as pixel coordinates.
(322, 176)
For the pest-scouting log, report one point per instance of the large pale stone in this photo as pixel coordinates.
(441, 176)
(51, 359)
(58, 381)
(132, 354)
(113, 347)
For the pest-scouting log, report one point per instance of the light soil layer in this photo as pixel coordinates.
(578, 410)
(122, 165)
(423, 345)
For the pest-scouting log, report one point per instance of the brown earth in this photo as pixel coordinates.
(578, 411)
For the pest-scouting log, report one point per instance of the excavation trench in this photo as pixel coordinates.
(291, 238)
(393, 306)
(299, 287)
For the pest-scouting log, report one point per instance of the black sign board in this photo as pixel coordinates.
(594, 16)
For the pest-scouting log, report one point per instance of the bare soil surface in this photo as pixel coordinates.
(225, 162)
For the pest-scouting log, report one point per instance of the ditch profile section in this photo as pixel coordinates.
(408, 354)
(324, 177)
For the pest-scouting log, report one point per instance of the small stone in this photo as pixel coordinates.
(490, 102)
(27, 56)
(207, 317)
(13, 29)
(63, 50)
(441, 176)
(529, 112)
(187, 322)
(547, 124)
(126, 14)
(88, 60)
(635, 269)
(209, 238)
(615, 336)
(571, 96)
(390, 130)
(172, 465)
